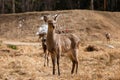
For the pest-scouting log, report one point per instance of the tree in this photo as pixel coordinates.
(70, 4)
(13, 6)
(27, 5)
(23, 5)
(3, 6)
(92, 4)
(105, 5)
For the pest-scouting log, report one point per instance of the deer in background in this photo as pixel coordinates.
(107, 35)
(58, 44)
(42, 33)
(44, 46)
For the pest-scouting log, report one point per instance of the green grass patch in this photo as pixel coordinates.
(12, 47)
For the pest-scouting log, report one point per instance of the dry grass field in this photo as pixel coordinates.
(26, 62)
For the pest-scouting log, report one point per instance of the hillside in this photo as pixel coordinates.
(22, 58)
(90, 25)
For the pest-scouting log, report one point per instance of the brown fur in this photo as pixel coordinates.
(44, 46)
(58, 44)
(107, 35)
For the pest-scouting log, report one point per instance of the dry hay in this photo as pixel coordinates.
(27, 63)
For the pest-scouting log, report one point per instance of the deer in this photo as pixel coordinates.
(41, 32)
(42, 36)
(107, 35)
(44, 46)
(58, 45)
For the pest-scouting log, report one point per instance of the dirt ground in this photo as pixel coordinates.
(22, 58)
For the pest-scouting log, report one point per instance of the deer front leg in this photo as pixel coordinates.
(58, 60)
(53, 62)
(47, 59)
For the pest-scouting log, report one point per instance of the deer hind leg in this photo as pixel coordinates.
(74, 60)
(73, 66)
(76, 66)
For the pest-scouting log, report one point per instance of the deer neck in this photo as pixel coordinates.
(51, 40)
(51, 35)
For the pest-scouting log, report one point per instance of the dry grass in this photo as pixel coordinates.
(26, 63)
(89, 25)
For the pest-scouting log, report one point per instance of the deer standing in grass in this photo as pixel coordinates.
(107, 35)
(44, 46)
(58, 44)
(42, 33)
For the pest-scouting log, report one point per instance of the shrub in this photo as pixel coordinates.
(91, 48)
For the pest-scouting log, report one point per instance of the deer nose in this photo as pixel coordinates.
(53, 26)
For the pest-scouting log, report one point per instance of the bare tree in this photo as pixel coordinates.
(105, 5)
(70, 4)
(23, 5)
(48, 4)
(3, 6)
(92, 4)
(116, 4)
(27, 3)
(13, 6)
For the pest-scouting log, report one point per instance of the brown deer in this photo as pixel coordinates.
(58, 44)
(44, 18)
(107, 35)
(44, 46)
(43, 36)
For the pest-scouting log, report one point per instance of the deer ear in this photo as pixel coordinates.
(56, 17)
(41, 18)
(45, 18)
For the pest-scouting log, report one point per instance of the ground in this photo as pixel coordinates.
(22, 58)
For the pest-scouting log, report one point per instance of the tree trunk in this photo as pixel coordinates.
(105, 5)
(112, 5)
(13, 6)
(70, 5)
(92, 4)
(116, 5)
(23, 5)
(3, 6)
(27, 5)
(32, 6)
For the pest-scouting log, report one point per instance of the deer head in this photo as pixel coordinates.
(52, 22)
